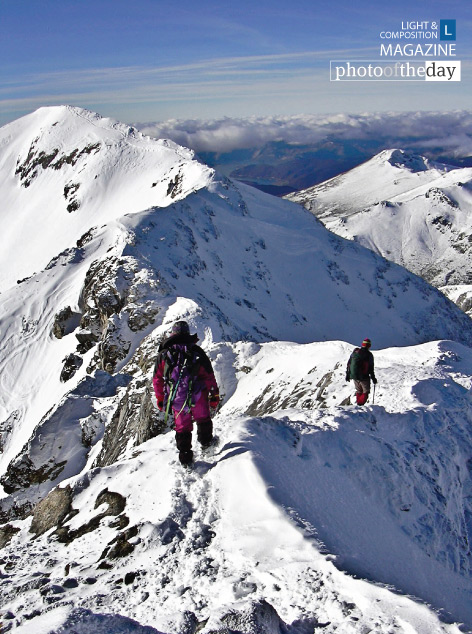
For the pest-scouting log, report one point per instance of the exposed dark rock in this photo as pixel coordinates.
(116, 503)
(464, 301)
(65, 322)
(59, 321)
(86, 238)
(6, 534)
(69, 194)
(87, 340)
(71, 364)
(130, 577)
(142, 316)
(6, 427)
(22, 473)
(115, 300)
(52, 510)
(115, 506)
(174, 187)
(135, 419)
(101, 299)
(29, 168)
(44, 457)
(120, 522)
(11, 510)
(112, 349)
(70, 583)
(51, 589)
(70, 189)
(120, 546)
(73, 206)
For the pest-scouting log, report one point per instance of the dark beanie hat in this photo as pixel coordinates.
(180, 328)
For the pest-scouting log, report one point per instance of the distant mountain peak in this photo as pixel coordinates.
(427, 227)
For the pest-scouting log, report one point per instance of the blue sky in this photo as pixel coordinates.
(150, 60)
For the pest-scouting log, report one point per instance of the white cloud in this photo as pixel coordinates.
(430, 129)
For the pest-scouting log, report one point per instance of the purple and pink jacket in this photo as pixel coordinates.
(204, 384)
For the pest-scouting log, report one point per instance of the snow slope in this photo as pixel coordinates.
(255, 537)
(410, 210)
(288, 500)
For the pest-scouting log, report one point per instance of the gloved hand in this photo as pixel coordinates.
(374, 380)
(348, 378)
(160, 404)
(214, 400)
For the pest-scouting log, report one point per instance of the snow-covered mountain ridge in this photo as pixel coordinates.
(65, 161)
(96, 515)
(412, 211)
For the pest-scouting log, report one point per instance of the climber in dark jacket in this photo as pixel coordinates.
(360, 368)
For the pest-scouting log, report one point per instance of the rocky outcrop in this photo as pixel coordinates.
(29, 168)
(7, 532)
(65, 322)
(115, 306)
(71, 364)
(135, 420)
(51, 511)
(23, 473)
(114, 506)
(60, 444)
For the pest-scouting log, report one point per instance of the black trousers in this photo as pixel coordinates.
(184, 440)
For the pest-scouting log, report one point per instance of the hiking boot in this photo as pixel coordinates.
(186, 457)
(205, 432)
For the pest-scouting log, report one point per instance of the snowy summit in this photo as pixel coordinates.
(309, 514)
(411, 210)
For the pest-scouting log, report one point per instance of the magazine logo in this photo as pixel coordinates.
(447, 30)
(395, 71)
(428, 45)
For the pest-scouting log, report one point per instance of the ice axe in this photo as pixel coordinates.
(373, 395)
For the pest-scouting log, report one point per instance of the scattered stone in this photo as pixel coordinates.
(115, 505)
(116, 502)
(130, 577)
(70, 583)
(120, 546)
(51, 589)
(120, 522)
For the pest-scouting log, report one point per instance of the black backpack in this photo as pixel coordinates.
(359, 364)
(182, 363)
